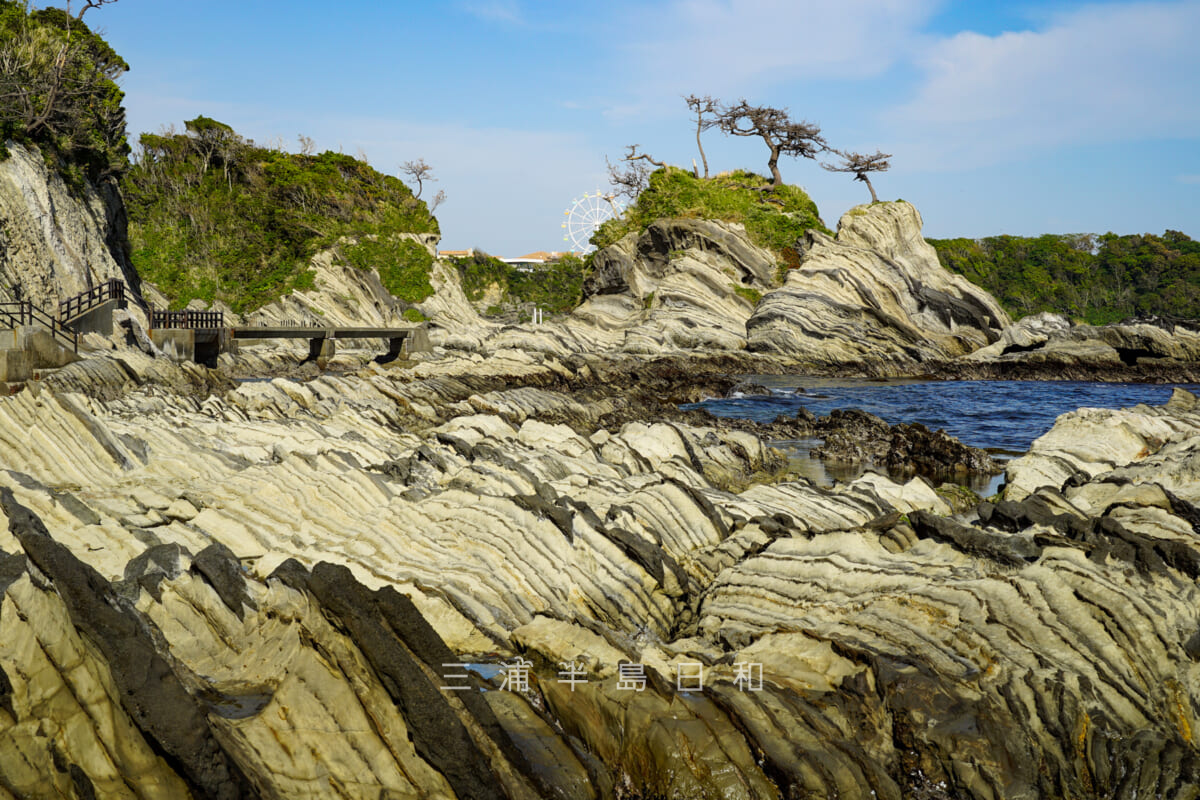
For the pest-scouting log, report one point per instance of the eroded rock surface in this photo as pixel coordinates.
(272, 590)
(55, 241)
(874, 298)
(1049, 345)
(876, 292)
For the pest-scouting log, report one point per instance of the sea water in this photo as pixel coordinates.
(1003, 417)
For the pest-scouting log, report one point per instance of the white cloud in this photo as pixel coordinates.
(723, 45)
(1102, 74)
(1192, 179)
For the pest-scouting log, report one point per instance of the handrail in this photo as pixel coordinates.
(27, 313)
(111, 289)
(194, 320)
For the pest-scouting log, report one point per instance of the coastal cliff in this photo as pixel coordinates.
(57, 240)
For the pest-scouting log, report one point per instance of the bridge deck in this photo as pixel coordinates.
(292, 332)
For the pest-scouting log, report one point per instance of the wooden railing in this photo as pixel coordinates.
(23, 312)
(194, 320)
(72, 307)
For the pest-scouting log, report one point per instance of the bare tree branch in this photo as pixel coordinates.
(634, 155)
(702, 107)
(88, 4)
(420, 172)
(633, 179)
(630, 181)
(861, 164)
(773, 125)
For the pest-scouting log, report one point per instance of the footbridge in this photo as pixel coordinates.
(203, 335)
(322, 340)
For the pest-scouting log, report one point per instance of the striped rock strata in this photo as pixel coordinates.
(876, 292)
(57, 241)
(295, 564)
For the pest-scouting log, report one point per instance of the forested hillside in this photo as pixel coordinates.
(58, 92)
(215, 216)
(1099, 279)
(555, 287)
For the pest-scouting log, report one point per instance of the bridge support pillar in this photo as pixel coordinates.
(178, 344)
(321, 350)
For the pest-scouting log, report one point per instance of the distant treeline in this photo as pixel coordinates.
(1098, 279)
(555, 287)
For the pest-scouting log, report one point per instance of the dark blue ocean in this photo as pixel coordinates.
(1001, 416)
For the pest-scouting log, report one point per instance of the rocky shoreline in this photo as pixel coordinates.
(516, 568)
(287, 557)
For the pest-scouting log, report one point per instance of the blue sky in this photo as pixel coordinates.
(1002, 117)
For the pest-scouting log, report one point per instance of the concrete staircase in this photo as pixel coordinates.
(32, 341)
(91, 311)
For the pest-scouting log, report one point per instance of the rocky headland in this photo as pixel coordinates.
(513, 567)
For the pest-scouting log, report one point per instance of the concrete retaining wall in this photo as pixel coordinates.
(98, 320)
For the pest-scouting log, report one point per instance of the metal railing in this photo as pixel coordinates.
(23, 312)
(193, 320)
(111, 289)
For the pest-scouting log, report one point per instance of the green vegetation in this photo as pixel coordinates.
(748, 292)
(775, 217)
(1099, 279)
(403, 264)
(555, 287)
(58, 92)
(216, 217)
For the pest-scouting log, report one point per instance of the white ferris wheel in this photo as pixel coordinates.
(585, 215)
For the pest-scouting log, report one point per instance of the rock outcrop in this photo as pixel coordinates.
(1050, 340)
(1134, 445)
(876, 295)
(57, 241)
(876, 292)
(682, 283)
(301, 589)
(341, 295)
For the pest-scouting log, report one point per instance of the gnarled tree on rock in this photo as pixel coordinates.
(773, 125)
(706, 109)
(860, 164)
(635, 177)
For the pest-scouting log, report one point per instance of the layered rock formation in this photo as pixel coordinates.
(1052, 341)
(682, 284)
(876, 292)
(876, 297)
(341, 295)
(262, 591)
(56, 241)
